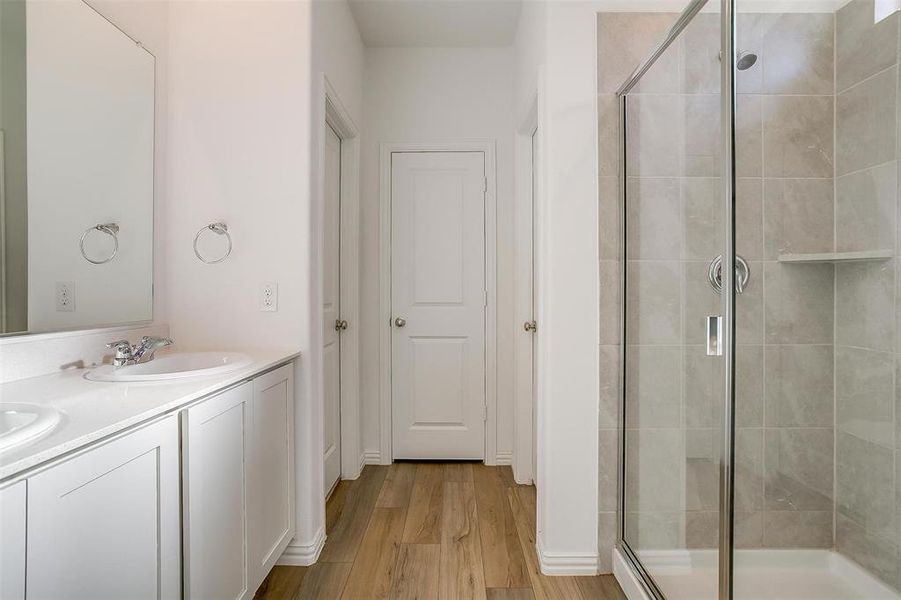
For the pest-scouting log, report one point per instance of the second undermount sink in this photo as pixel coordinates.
(173, 366)
(20, 422)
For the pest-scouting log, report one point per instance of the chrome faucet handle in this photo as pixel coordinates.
(124, 352)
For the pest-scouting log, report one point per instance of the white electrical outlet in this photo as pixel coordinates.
(269, 296)
(65, 296)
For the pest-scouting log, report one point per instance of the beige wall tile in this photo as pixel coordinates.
(655, 530)
(704, 390)
(749, 217)
(797, 136)
(702, 156)
(798, 216)
(749, 386)
(653, 469)
(863, 47)
(610, 295)
(700, 301)
(655, 132)
(654, 221)
(798, 469)
(610, 395)
(703, 217)
(608, 135)
(797, 54)
(608, 440)
(653, 302)
(865, 484)
(865, 129)
(653, 397)
(748, 135)
(865, 396)
(624, 40)
(798, 303)
(803, 529)
(874, 553)
(799, 386)
(865, 206)
(610, 219)
(864, 297)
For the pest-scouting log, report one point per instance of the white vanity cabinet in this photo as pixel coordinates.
(12, 541)
(238, 485)
(105, 524)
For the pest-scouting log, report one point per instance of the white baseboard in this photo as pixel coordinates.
(303, 555)
(566, 563)
(372, 457)
(627, 580)
(504, 458)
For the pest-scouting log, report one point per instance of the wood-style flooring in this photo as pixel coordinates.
(443, 531)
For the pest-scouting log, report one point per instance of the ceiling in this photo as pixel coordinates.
(436, 23)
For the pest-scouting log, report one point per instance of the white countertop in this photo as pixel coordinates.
(92, 410)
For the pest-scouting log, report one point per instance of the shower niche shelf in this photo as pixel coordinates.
(836, 257)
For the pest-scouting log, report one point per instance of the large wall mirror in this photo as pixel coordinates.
(76, 170)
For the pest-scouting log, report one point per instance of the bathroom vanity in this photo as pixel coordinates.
(153, 489)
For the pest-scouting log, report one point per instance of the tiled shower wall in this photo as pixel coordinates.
(816, 344)
(867, 310)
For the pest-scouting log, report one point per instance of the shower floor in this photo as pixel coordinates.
(759, 575)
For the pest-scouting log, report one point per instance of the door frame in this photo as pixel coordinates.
(338, 118)
(525, 379)
(488, 147)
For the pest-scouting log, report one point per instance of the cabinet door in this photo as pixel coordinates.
(12, 550)
(216, 434)
(272, 453)
(105, 524)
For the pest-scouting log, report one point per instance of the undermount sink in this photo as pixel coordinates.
(21, 422)
(173, 366)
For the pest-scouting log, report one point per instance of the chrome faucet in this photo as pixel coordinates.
(126, 354)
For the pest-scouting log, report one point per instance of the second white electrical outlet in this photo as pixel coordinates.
(269, 296)
(65, 296)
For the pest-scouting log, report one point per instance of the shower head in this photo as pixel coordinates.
(745, 60)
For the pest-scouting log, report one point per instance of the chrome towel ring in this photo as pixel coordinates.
(219, 229)
(715, 274)
(110, 229)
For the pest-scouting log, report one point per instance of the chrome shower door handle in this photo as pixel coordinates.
(714, 335)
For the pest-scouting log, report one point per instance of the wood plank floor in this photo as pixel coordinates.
(442, 531)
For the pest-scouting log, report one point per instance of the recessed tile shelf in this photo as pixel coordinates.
(837, 257)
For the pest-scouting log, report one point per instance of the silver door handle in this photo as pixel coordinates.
(400, 321)
(714, 335)
(530, 326)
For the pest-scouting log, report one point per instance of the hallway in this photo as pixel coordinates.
(431, 530)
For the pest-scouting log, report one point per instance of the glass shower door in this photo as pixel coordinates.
(674, 385)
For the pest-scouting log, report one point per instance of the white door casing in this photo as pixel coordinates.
(439, 299)
(331, 308)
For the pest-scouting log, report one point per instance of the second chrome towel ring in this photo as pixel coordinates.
(219, 229)
(110, 229)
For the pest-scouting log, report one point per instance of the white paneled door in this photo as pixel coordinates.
(331, 307)
(438, 300)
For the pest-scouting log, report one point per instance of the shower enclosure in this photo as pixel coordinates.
(759, 432)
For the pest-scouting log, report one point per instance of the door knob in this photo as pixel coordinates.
(340, 325)
(400, 321)
(530, 326)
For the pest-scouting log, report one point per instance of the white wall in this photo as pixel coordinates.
(338, 59)
(556, 50)
(239, 152)
(433, 95)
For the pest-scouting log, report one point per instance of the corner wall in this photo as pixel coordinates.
(432, 95)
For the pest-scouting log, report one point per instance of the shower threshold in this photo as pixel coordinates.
(759, 575)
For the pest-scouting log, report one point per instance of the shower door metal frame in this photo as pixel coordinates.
(727, 454)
